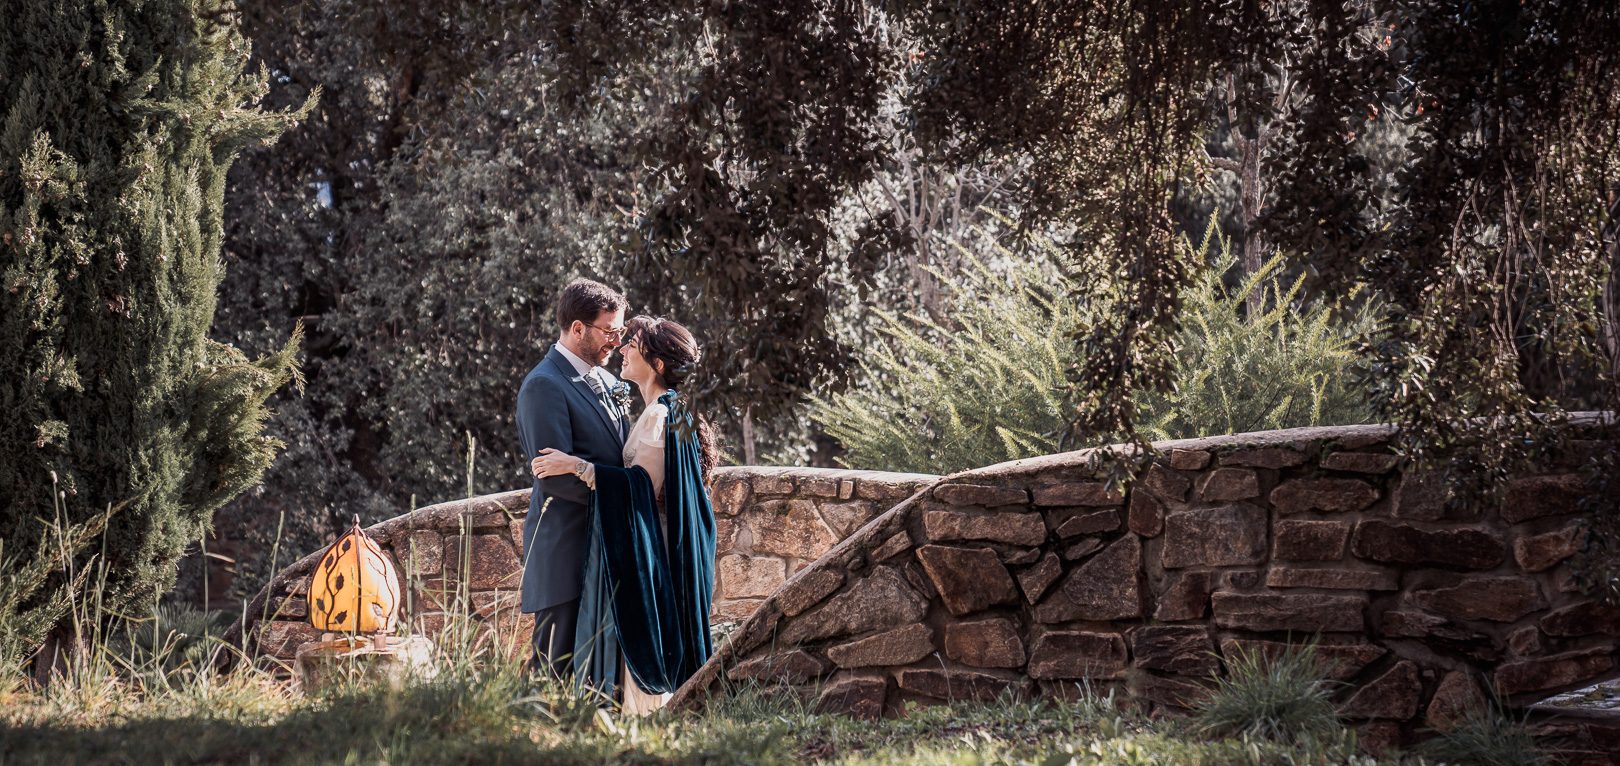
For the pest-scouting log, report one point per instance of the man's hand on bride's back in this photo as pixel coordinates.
(553, 463)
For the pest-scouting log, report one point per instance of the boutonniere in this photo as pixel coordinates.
(621, 394)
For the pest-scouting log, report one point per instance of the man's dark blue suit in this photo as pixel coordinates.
(557, 408)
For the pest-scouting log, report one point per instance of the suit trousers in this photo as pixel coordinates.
(553, 639)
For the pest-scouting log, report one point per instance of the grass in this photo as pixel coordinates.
(169, 706)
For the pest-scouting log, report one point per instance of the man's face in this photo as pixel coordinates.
(597, 339)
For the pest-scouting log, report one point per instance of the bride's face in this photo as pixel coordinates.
(635, 367)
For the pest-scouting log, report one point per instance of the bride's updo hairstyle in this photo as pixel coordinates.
(670, 343)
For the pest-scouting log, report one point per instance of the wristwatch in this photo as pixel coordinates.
(579, 470)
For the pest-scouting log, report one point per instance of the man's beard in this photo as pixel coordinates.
(603, 354)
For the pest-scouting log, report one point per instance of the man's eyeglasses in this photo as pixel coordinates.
(616, 334)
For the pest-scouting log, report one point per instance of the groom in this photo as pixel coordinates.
(564, 404)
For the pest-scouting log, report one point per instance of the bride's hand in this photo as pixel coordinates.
(552, 463)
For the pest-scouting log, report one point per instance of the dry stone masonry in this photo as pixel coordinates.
(1036, 578)
(865, 590)
(462, 562)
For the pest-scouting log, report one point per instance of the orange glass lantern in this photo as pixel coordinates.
(354, 588)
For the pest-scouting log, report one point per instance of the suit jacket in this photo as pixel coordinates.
(556, 408)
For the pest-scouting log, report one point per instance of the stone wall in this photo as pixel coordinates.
(1035, 577)
(462, 558)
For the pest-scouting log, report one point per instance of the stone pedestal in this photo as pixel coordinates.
(390, 659)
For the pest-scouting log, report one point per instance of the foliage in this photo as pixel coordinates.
(124, 419)
(1280, 697)
(988, 388)
(990, 385)
(1293, 364)
(1487, 737)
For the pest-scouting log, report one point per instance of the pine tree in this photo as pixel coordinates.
(120, 120)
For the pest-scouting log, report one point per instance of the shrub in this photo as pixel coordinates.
(121, 120)
(1280, 697)
(991, 386)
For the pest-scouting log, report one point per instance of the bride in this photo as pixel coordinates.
(649, 570)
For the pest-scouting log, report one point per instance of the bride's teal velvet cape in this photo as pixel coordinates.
(643, 598)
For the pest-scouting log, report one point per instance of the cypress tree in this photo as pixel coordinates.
(125, 427)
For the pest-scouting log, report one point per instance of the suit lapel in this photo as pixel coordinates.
(592, 402)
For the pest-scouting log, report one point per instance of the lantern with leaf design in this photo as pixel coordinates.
(354, 588)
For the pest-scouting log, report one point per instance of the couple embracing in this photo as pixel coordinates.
(618, 555)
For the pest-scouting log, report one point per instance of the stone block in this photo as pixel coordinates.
(901, 646)
(808, 589)
(1107, 587)
(1554, 673)
(1538, 497)
(1587, 618)
(879, 601)
(319, 664)
(490, 561)
(1455, 700)
(1497, 599)
(1360, 462)
(1415, 623)
(1188, 459)
(845, 518)
(791, 529)
(967, 579)
(1526, 642)
(1166, 483)
(1264, 457)
(1011, 527)
(1379, 739)
(730, 495)
(281, 638)
(1178, 693)
(1186, 650)
(818, 486)
(1339, 662)
(734, 610)
(731, 534)
(846, 489)
(992, 643)
(1228, 484)
(985, 495)
(1323, 495)
(1186, 597)
(1092, 493)
(898, 543)
(1081, 549)
(1146, 515)
(1300, 540)
(1398, 543)
(857, 695)
(1035, 580)
(1225, 536)
(773, 484)
(885, 491)
(1285, 576)
(778, 667)
(945, 684)
(1538, 553)
(1077, 654)
(1084, 522)
(1283, 611)
(749, 576)
(421, 553)
(1424, 496)
(1393, 695)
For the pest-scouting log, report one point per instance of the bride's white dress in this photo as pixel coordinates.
(645, 447)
